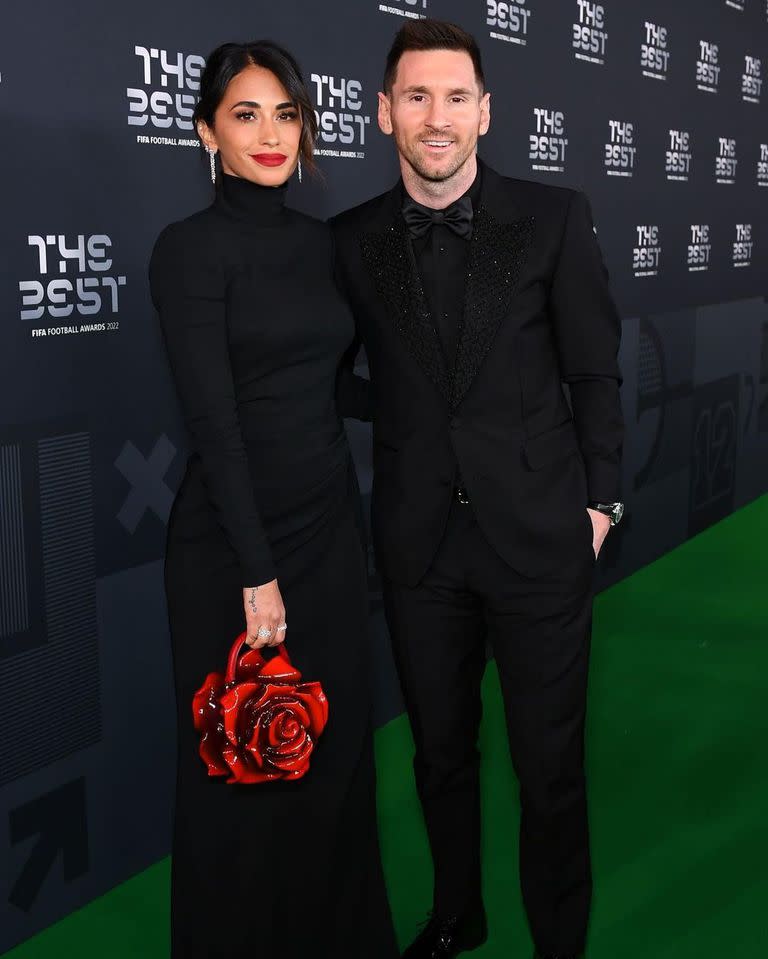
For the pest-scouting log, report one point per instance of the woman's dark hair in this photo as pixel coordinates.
(431, 35)
(229, 59)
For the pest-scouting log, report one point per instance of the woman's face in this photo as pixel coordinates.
(257, 129)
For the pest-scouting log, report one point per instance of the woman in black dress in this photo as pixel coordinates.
(263, 535)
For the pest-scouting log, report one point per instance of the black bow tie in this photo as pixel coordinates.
(457, 217)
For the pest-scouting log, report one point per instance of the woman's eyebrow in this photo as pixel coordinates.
(257, 106)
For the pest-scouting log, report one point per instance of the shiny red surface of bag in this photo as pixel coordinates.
(258, 721)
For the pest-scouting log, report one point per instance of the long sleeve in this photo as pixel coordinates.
(189, 291)
(588, 333)
(354, 398)
(353, 393)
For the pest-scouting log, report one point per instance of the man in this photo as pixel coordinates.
(476, 298)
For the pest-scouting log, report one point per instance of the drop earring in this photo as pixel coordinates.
(298, 169)
(212, 156)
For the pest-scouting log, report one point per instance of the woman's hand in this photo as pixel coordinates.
(264, 615)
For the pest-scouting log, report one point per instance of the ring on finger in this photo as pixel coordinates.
(282, 627)
(264, 632)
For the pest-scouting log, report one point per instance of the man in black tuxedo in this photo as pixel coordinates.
(477, 297)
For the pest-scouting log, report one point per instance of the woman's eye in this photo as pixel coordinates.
(290, 115)
(245, 115)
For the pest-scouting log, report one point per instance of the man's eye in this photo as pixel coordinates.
(417, 97)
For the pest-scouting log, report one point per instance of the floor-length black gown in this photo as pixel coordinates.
(255, 332)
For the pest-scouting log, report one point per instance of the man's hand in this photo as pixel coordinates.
(601, 525)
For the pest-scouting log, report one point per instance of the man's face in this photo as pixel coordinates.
(436, 111)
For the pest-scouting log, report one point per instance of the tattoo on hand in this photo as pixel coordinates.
(252, 600)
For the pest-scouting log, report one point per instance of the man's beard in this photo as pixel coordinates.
(431, 175)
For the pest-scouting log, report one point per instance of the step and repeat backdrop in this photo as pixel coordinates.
(656, 110)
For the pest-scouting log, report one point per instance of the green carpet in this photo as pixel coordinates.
(678, 780)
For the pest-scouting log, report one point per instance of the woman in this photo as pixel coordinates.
(263, 534)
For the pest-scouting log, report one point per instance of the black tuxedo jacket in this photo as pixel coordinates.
(537, 314)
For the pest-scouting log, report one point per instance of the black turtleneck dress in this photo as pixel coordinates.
(256, 335)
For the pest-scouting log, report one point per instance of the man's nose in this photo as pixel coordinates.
(437, 118)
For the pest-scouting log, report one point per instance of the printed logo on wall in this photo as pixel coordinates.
(714, 452)
(58, 822)
(620, 151)
(752, 79)
(654, 52)
(166, 101)
(708, 67)
(511, 17)
(405, 8)
(146, 477)
(725, 161)
(340, 121)
(679, 156)
(762, 166)
(75, 278)
(548, 144)
(742, 245)
(664, 364)
(647, 254)
(762, 407)
(590, 37)
(699, 249)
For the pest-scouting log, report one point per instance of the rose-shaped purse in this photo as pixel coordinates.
(258, 722)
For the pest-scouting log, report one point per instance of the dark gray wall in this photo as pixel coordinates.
(94, 162)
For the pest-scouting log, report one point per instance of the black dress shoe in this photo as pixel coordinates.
(446, 936)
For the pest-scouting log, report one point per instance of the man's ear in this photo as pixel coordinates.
(207, 135)
(385, 114)
(485, 113)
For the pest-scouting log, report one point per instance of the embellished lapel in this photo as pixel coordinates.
(498, 251)
(389, 259)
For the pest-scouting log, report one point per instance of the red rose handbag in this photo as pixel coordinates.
(258, 721)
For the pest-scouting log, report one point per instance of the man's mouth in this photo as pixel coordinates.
(437, 144)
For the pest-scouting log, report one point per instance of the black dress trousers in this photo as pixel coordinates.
(539, 633)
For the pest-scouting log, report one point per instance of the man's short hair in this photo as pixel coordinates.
(432, 35)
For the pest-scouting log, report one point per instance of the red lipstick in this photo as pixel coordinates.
(269, 159)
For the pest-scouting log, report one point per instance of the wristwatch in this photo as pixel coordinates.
(614, 511)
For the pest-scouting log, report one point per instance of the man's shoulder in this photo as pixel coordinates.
(531, 194)
(357, 216)
(534, 193)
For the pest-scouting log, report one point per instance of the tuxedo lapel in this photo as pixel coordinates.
(498, 251)
(389, 259)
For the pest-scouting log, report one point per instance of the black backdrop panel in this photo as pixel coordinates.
(657, 110)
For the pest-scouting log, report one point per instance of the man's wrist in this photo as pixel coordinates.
(614, 511)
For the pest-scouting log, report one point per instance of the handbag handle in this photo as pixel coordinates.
(256, 655)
